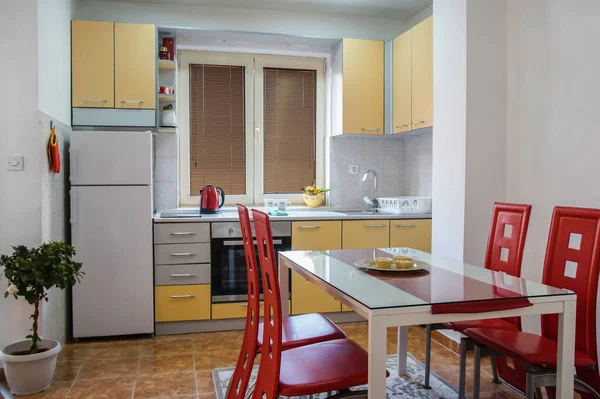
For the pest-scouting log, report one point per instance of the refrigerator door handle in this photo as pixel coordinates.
(73, 207)
(73, 164)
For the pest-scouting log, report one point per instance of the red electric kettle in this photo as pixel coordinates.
(209, 199)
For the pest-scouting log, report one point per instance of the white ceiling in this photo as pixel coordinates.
(397, 9)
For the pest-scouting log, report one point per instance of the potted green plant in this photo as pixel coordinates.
(29, 365)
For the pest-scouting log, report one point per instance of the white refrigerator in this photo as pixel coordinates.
(111, 230)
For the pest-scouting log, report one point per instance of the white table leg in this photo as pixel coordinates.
(402, 349)
(566, 351)
(377, 358)
(284, 287)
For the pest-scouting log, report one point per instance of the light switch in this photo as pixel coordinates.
(15, 163)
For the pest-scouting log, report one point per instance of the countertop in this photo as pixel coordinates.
(295, 213)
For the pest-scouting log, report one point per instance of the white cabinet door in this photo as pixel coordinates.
(112, 234)
(110, 158)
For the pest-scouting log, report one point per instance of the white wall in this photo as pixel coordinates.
(449, 130)
(54, 54)
(242, 19)
(20, 207)
(552, 115)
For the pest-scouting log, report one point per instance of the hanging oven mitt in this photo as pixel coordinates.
(53, 153)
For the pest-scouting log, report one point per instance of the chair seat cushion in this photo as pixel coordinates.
(524, 347)
(305, 329)
(498, 324)
(323, 367)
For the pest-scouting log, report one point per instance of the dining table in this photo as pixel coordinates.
(441, 290)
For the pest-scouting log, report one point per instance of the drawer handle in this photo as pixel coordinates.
(183, 275)
(244, 305)
(183, 233)
(95, 101)
(309, 227)
(401, 126)
(183, 254)
(183, 296)
(370, 129)
(406, 225)
(240, 242)
(418, 122)
(132, 102)
(375, 225)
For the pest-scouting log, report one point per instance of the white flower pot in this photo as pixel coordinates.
(29, 374)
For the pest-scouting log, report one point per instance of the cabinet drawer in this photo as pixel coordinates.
(172, 233)
(172, 254)
(366, 234)
(414, 234)
(182, 302)
(316, 235)
(235, 310)
(182, 274)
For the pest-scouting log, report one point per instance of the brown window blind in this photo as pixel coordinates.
(289, 129)
(217, 133)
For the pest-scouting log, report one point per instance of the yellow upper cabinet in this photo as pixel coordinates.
(135, 66)
(422, 74)
(363, 80)
(93, 69)
(402, 83)
(412, 78)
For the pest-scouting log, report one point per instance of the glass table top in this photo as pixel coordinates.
(443, 282)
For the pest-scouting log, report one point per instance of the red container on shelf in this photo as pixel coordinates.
(169, 44)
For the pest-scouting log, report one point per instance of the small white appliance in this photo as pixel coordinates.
(111, 230)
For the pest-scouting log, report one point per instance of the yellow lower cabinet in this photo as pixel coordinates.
(182, 302)
(414, 234)
(308, 298)
(316, 235)
(233, 310)
(358, 234)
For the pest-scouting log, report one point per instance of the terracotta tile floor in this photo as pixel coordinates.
(179, 366)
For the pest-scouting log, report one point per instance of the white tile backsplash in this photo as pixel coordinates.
(165, 171)
(403, 165)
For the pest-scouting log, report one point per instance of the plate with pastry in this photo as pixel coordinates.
(396, 264)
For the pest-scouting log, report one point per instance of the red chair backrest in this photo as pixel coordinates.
(243, 369)
(573, 262)
(507, 217)
(270, 360)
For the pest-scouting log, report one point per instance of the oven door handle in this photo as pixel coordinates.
(240, 242)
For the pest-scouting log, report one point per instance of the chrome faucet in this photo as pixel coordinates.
(372, 202)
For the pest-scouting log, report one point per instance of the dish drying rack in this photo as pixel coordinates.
(405, 205)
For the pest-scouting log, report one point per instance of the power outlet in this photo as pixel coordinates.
(353, 169)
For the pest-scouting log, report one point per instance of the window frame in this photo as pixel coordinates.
(254, 114)
(197, 57)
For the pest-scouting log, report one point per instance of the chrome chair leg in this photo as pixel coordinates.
(530, 387)
(427, 356)
(494, 369)
(476, 372)
(463, 368)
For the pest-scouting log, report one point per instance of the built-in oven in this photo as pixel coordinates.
(229, 279)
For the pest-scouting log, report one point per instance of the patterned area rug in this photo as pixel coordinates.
(397, 387)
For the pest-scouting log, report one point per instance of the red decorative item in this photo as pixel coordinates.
(170, 45)
(163, 54)
(53, 151)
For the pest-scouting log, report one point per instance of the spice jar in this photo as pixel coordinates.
(163, 54)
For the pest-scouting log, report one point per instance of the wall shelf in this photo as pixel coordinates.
(166, 64)
(167, 97)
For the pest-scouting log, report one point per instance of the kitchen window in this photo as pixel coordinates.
(253, 125)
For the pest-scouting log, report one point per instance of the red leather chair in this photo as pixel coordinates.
(572, 262)
(499, 242)
(296, 330)
(328, 366)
